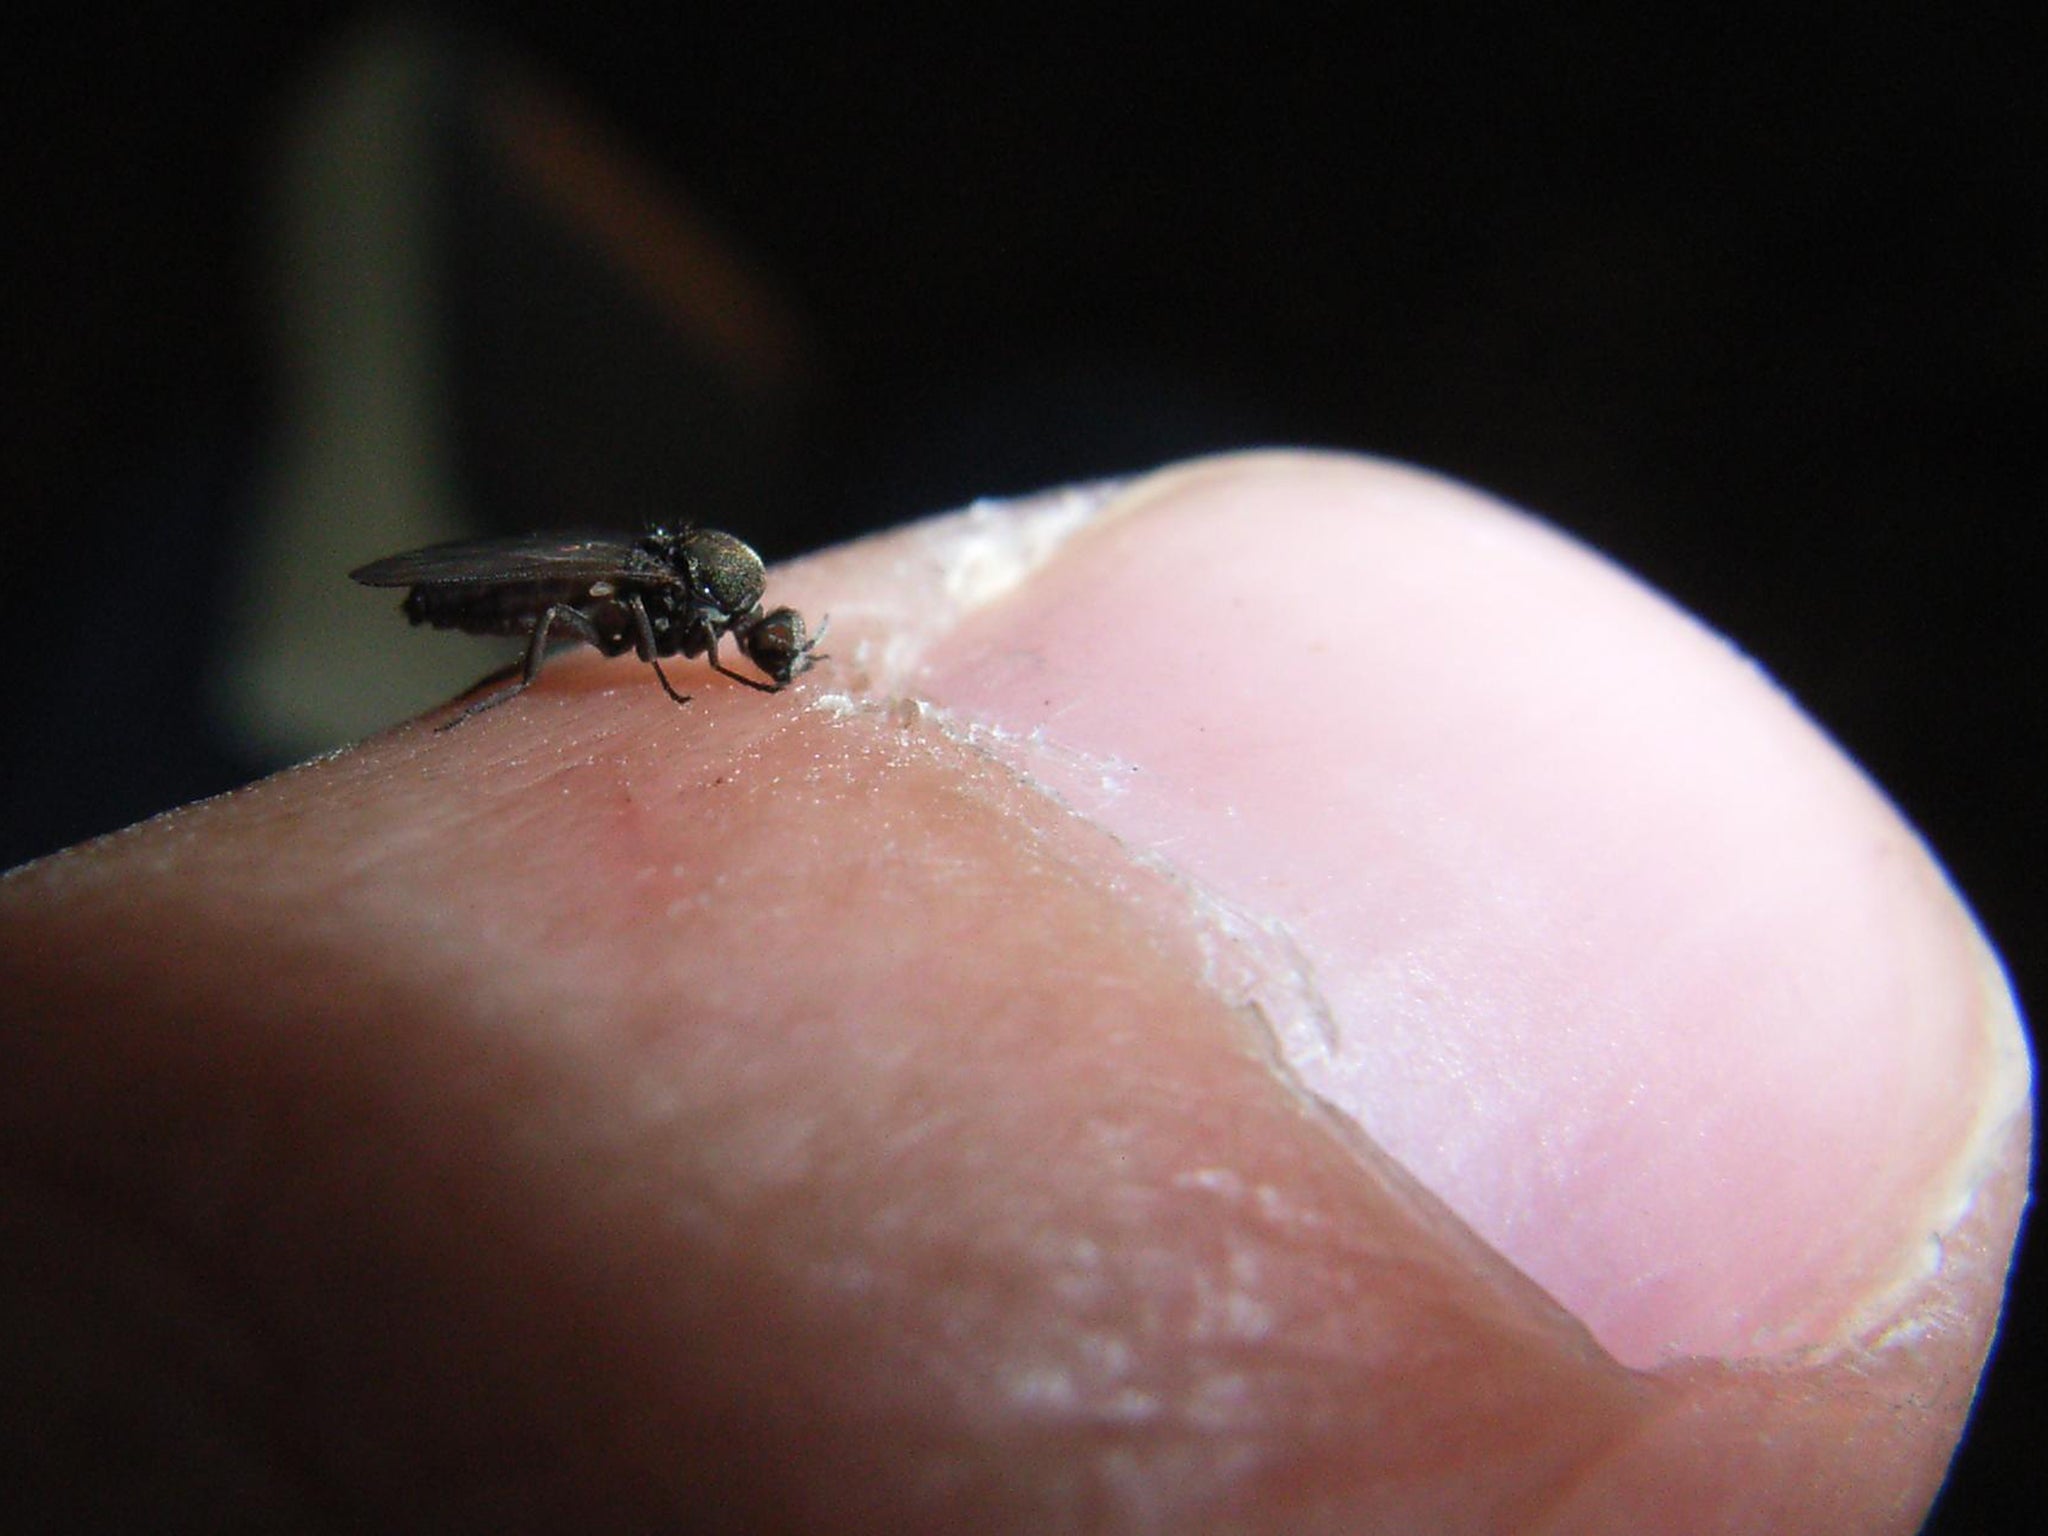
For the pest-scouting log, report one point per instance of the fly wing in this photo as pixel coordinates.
(533, 557)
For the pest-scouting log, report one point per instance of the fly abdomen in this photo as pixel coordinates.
(511, 609)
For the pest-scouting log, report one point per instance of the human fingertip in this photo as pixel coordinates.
(1561, 900)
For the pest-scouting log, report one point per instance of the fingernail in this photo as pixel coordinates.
(1544, 885)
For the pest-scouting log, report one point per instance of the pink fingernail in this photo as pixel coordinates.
(1552, 892)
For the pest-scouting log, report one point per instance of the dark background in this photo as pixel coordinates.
(1758, 310)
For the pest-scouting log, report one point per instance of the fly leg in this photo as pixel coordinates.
(739, 677)
(643, 645)
(536, 653)
(709, 637)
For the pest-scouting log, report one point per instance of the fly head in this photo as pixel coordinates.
(775, 642)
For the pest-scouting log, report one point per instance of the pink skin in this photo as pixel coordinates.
(1452, 1051)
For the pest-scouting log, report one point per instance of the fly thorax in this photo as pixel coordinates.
(726, 575)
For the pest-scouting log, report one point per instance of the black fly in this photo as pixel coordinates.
(663, 594)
